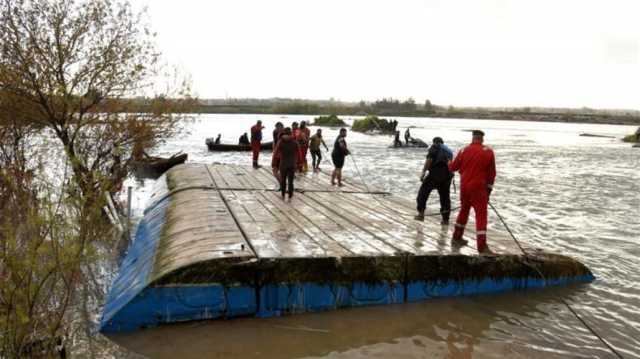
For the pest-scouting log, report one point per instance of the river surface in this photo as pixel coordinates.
(579, 196)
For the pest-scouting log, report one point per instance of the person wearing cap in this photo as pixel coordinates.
(256, 139)
(477, 166)
(439, 178)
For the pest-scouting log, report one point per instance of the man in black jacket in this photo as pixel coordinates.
(439, 177)
(287, 151)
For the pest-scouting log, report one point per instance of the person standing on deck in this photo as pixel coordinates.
(314, 147)
(303, 143)
(217, 142)
(338, 155)
(275, 159)
(256, 139)
(276, 133)
(439, 178)
(477, 166)
(287, 151)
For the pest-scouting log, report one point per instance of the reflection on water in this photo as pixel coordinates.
(575, 195)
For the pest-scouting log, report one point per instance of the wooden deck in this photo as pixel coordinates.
(242, 209)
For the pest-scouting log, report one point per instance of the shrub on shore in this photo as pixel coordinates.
(373, 124)
(330, 121)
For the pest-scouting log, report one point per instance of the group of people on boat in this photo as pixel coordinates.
(409, 141)
(290, 148)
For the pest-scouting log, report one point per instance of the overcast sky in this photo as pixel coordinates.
(557, 53)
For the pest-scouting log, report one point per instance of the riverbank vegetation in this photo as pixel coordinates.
(371, 124)
(410, 108)
(69, 133)
(633, 138)
(329, 121)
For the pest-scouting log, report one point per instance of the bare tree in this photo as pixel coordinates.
(86, 67)
(82, 73)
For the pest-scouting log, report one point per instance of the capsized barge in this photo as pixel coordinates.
(217, 241)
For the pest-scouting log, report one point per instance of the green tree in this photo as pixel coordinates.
(428, 107)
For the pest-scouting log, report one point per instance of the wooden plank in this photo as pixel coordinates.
(187, 239)
(262, 225)
(374, 246)
(369, 217)
(364, 219)
(498, 241)
(296, 217)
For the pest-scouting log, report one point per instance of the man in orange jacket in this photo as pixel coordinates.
(477, 166)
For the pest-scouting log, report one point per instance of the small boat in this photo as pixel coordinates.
(154, 167)
(595, 135)
(637, 145)
(413, 143)
(228, 147)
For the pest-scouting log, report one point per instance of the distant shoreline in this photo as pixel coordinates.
(315, 110)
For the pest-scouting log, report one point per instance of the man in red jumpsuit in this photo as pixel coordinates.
(477, 166)
(256, 138)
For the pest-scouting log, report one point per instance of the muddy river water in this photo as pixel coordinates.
(575, 195)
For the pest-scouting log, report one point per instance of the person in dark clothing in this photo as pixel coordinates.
(244, 139)
(275, 160)
(287, 152)
(407, 136)
(316, 153)
(217, 142)
(338, 155)
(256, 139)
(396, 140)
(439, 178)
(276, 133)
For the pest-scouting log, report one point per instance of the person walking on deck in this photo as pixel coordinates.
(256, 139)
(439, 178)
(275, 160)
(287, 151)
(477, 167)
(303, 143)
(314, 147)
(338, 155)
